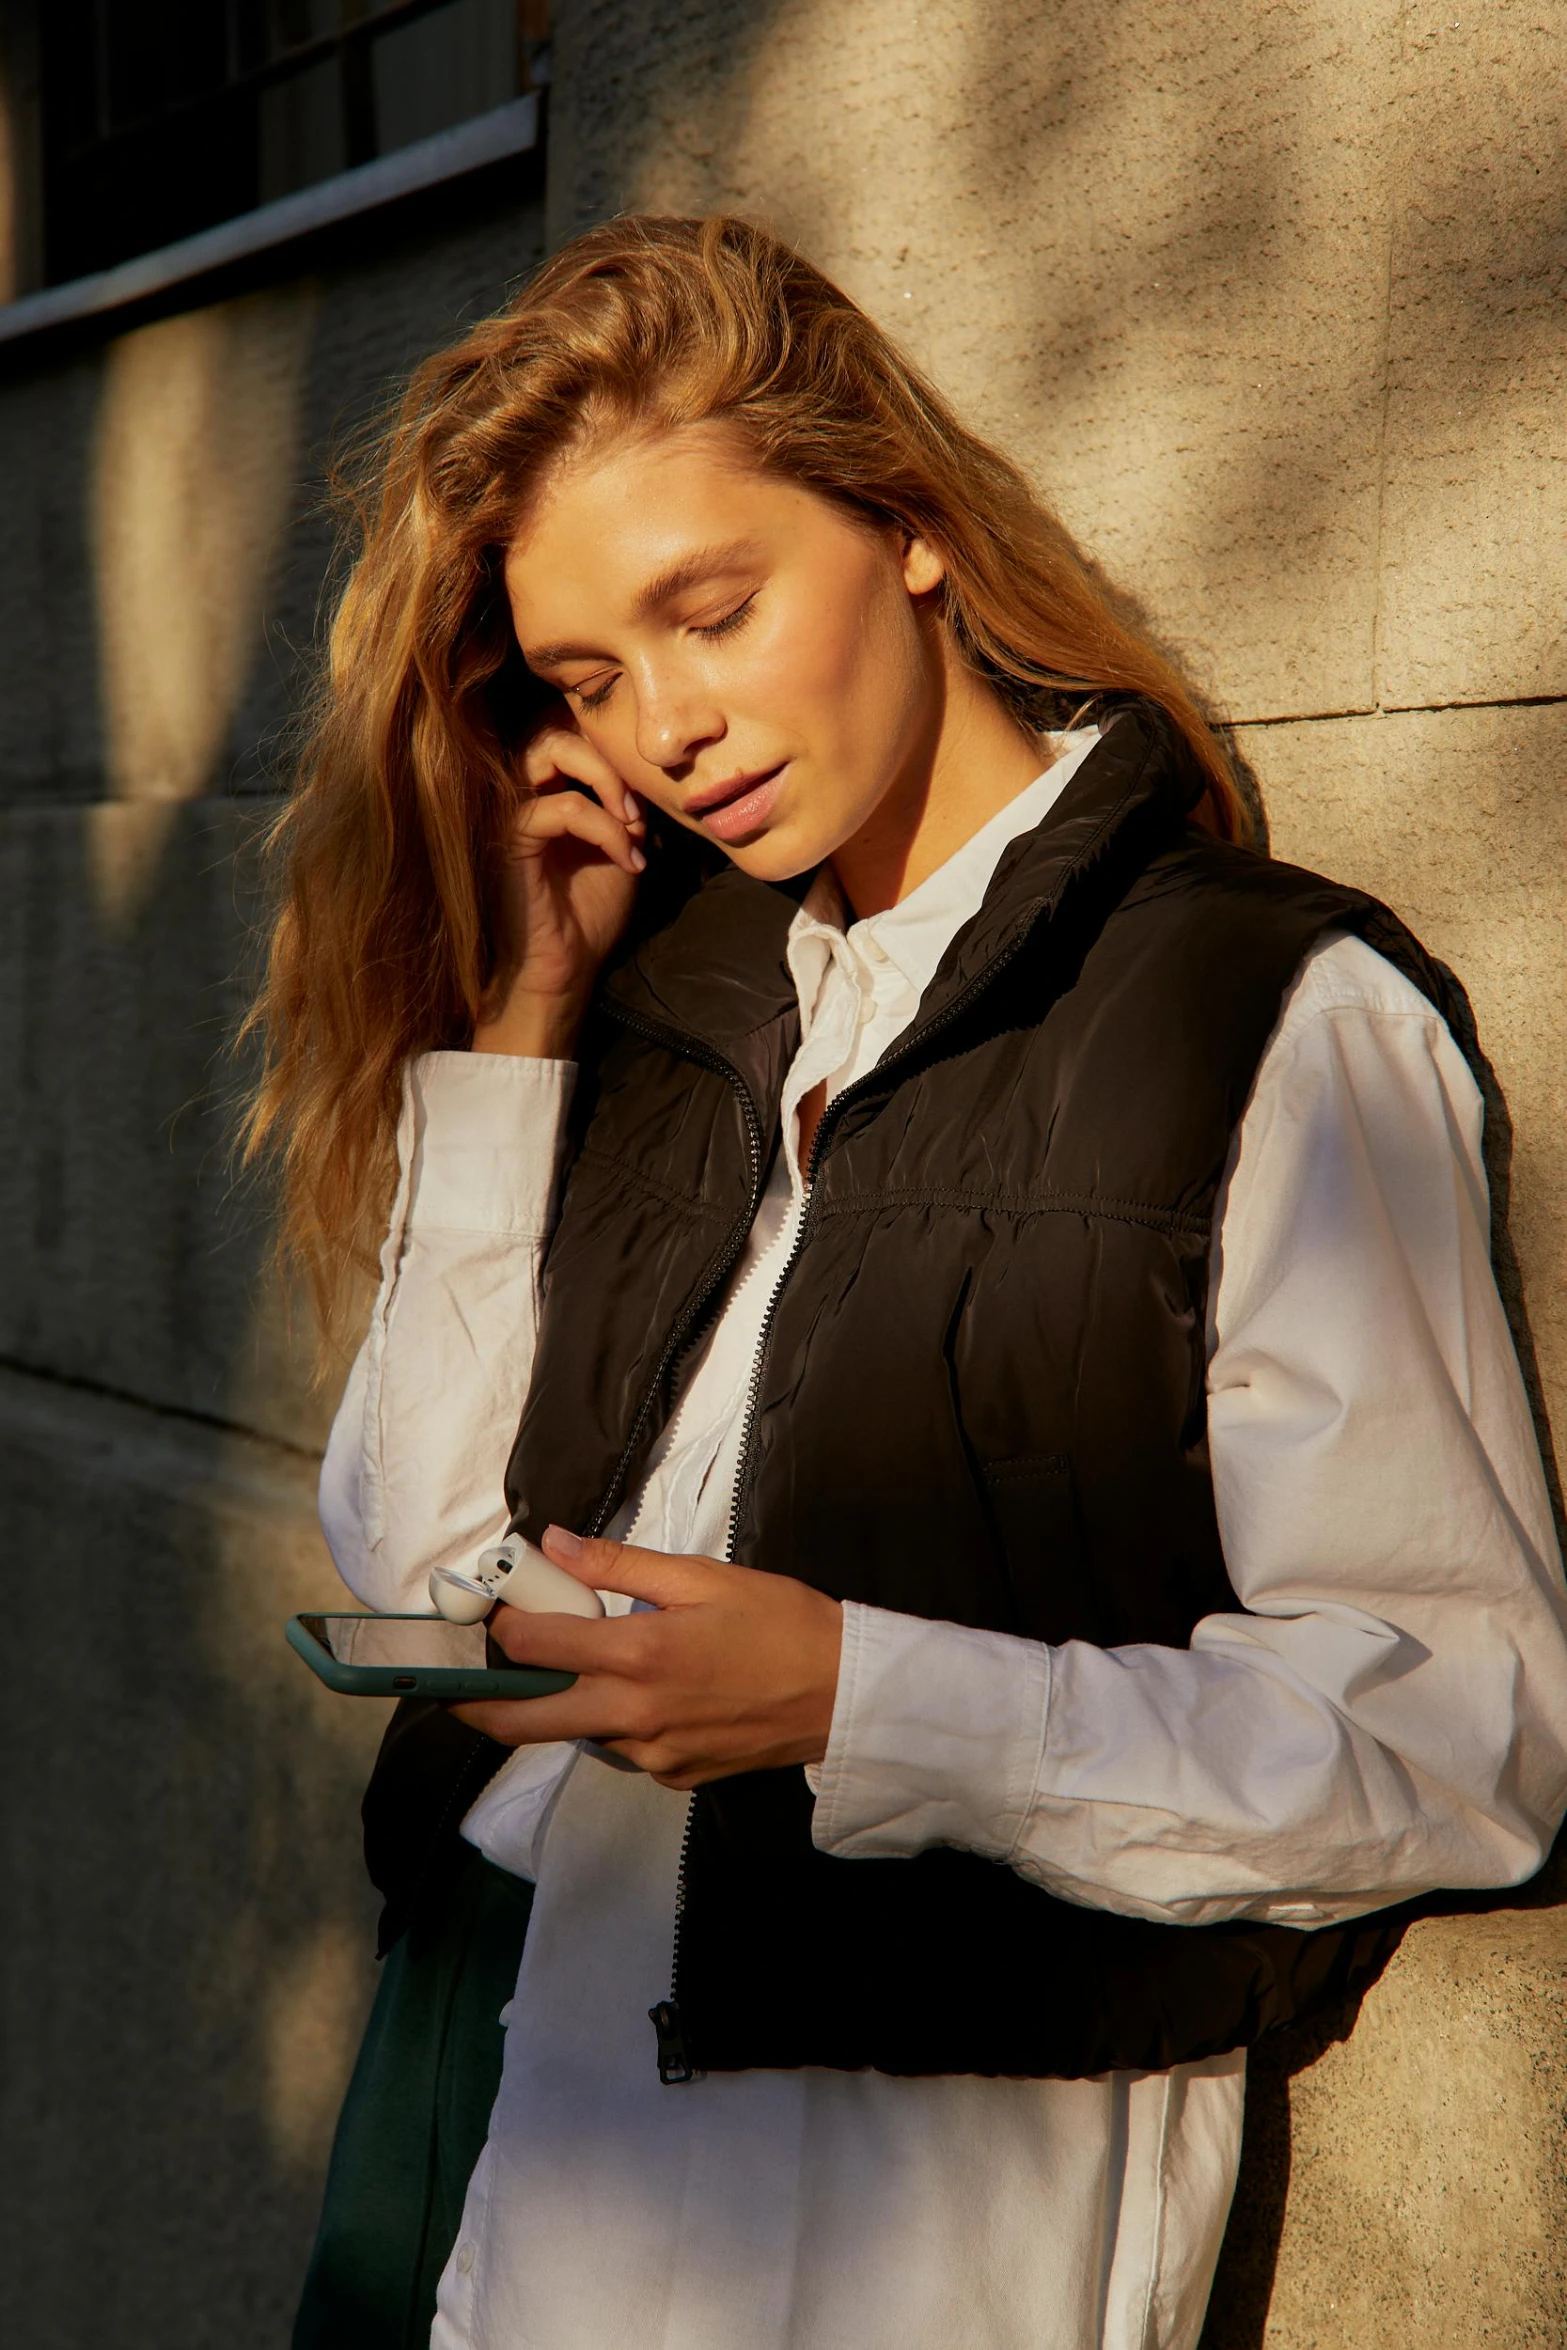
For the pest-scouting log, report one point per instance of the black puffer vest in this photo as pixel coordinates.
(980, 1395)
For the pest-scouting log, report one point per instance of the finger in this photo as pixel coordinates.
(569, 1644)
(603, 1710)
(558, 751)
(666, 1578)
(667, 1762)
(502, 1718)
(555, 816)
(566, 788)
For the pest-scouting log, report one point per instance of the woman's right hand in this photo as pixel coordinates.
(565, 894)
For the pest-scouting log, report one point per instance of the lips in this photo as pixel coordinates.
(734, 810)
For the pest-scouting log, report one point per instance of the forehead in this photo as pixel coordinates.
(608, 523)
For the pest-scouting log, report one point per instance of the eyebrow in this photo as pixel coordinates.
(678, 579)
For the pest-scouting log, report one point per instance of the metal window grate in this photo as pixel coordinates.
(164, 117)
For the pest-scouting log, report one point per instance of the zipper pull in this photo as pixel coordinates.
(674, 2063)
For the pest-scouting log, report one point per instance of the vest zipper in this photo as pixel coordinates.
(674, 2060)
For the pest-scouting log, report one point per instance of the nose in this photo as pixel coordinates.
(676, 719)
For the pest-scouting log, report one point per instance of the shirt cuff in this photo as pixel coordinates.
(488, 1131)
(938, 1735)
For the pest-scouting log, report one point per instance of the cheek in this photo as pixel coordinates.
(846, 667)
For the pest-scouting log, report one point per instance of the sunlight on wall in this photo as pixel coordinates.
(194, 470)
(1435, 2137)
(315, 2004)
(1458, 818)
(1269, 300)
(304, 1946)
(1188, 357)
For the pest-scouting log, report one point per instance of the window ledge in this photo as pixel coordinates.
(489, 138)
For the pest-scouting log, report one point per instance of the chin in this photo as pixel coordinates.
(777, 856)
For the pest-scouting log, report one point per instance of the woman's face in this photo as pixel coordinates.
(759, 666)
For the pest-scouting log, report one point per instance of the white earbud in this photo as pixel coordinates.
(518, 1572)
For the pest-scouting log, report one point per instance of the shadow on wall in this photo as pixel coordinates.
(1271, 305)
(188, 1954)
(1101, 223)
(128, 912)
(188, 1946)
(189, 1934)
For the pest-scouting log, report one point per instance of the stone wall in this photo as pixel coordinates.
(187, 1959)
(1268, 299)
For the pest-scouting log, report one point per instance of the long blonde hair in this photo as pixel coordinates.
(409, 780)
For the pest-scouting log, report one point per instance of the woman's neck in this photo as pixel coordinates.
(980, 759)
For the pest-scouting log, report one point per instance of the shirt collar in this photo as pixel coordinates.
(914, 934)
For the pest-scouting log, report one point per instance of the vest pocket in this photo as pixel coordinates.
(1032, 1509)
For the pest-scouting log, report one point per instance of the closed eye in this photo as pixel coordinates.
(599, 694)
(731, 620)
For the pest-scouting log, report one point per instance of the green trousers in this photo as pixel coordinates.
(415, 2120)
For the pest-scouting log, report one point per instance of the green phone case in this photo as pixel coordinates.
(419, 1680)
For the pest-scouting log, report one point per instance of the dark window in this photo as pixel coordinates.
(162, 117)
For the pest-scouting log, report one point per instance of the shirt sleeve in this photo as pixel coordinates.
(1386, 1712)
(412, 1477)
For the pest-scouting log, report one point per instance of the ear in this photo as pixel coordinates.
(923, 568)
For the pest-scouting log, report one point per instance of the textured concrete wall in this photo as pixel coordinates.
(186, 1961)
(1270, 301)
(187, 1954)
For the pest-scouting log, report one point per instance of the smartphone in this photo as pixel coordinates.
(414, 1656)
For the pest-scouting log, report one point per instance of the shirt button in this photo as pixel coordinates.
(464, 2259)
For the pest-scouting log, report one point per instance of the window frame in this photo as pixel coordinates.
(503, 135)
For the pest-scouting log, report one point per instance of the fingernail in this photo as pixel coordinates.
(632, 809)
(638, 861)
(558, 1539)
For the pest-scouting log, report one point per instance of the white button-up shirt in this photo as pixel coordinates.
(1385, 1712)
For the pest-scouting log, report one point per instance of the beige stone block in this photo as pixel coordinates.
(1458, 819)
(1426, 2159)
(188, 1929)
(196, 457)
(1475, 511)
(126, 939)
(1144, 247)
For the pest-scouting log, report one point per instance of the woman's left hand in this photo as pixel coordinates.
(732, 1670)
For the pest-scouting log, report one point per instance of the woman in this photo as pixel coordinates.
(987, 1275)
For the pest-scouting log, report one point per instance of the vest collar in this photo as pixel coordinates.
(716, 976)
